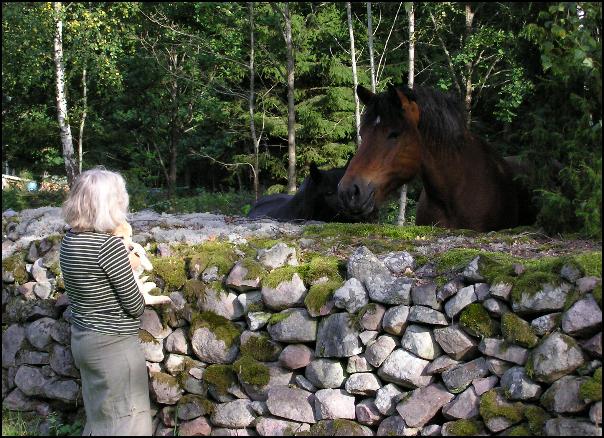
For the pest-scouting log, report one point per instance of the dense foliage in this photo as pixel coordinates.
(168, 89)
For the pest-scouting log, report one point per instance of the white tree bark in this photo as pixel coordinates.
(83, 119)
(410, 81)
(64, 127)
(469, 66)
(291, 115)
(357, 113)
(370, 43)
(255, 138)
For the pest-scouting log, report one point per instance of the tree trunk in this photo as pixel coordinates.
(174, 137)
(64, 127)
(83, 120)
(410, 82)
(291, 116)
(370, 43)
(469, 66)
(357, 114)
(255, 140)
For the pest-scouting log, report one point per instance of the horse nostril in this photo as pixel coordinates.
(356, 191)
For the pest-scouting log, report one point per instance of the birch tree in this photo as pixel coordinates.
(410, 79)
(370, 44)
(357, 114)
(62, 117)
(255, 138)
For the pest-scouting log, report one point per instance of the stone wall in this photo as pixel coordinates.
(273, 333)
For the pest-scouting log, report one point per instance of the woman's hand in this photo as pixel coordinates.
(152, 300)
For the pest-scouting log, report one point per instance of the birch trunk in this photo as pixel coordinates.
(469, 66)
(370, 43)
(410, 82)
(291, 116)
(64, 127)
(357, 114)
(83, 120)
(255, 139)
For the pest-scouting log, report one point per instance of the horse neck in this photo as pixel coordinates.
(443, 168)
(300, 206)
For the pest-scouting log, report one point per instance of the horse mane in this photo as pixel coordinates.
(442, 122)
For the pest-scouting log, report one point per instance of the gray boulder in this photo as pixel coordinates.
(405, 369)
(545, 324)
(367, 413)
(424, 294)
(277, 256)
(209, 348)
(464, 297)
(13, 340)
(362, 384)
(291, 403)
(583, 318)
(396, 426)
(423, 404)
(501, 349)
(464, 406)
(563, 396)
(549, 298)
(395, 320)
(299, 326)
(377, 352)
(338, 337)
(387, 397)
(235, 414)
(286, 294)
(455, 342)
(351, 296)
(459, 377)
(556, 356)
(426, 315)
(518, 386)
(571, 427)
(38, 332)
(419, 340)
(332, 404)
(325, 373)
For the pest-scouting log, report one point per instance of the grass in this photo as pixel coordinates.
(20, 423)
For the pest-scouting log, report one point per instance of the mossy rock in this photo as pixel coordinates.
(536, 417)
(221, 377)
(219, 254)
(147, 337)
(194, 291)
(251, 372)
(222, 328)
(279, 275)
(597, 293)
(16, 265)
(323, 266)
(278, 317)
(517, 331)
(254, 269)
(261, 348)
(339, 427)
(591, 390)
(476, 321)
(490, 408)
(171, 270)
(206, 405)
(320, 294)
(465, 428)
(520, 430)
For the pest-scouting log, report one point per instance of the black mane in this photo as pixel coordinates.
(442, 121)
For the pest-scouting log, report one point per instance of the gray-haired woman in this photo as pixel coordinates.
(106, 304)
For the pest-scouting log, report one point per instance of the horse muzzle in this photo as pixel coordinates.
(357, 197)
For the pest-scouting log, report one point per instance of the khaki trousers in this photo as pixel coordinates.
(115, 384)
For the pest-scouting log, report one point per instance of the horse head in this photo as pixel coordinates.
(390, 151)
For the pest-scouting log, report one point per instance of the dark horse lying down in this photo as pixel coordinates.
(317, 199)
(423, 132)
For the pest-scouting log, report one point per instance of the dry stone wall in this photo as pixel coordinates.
(266, 339)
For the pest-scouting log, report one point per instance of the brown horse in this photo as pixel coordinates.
(405, 133)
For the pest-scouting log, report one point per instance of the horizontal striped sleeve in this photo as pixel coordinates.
(113, 260)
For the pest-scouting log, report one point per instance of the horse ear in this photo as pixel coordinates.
(410, 107)
(364, 94)
(315, 173)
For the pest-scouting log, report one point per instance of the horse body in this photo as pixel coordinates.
(316, 199)
(466, 184)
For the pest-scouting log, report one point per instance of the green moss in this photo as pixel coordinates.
(221, 377)
(256, 307)
(16, 265)
(597, 293)
(520, 430)
(280, 275)
(532, 282)
(319, 294)
(571, 298)
(251, 372)
(322, 266)
(465, 428)
(536, 418)
(261, 348)
(590, 263)
(55, 268)
(374, 231)
(591, 390)
(171, 270)
(489, 408)
(194, 291)
(278, 317)
(254, 269)
(165, 379)
(206, 405)
(146, 337)
(222, 328)
(517, 331)
(208, 254)
(476, 321)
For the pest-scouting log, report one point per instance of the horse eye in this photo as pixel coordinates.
(393, 134)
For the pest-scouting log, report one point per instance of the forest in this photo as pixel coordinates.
(197, 102)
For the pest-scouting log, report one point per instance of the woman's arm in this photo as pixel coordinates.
(113, 259)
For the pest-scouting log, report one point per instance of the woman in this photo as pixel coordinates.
(106, 304)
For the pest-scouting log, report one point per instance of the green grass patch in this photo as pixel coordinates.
(16, 423)
(517, 331)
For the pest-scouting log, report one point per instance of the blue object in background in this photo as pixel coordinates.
(32, 186)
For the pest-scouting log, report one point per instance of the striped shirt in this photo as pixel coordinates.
(100, 284)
